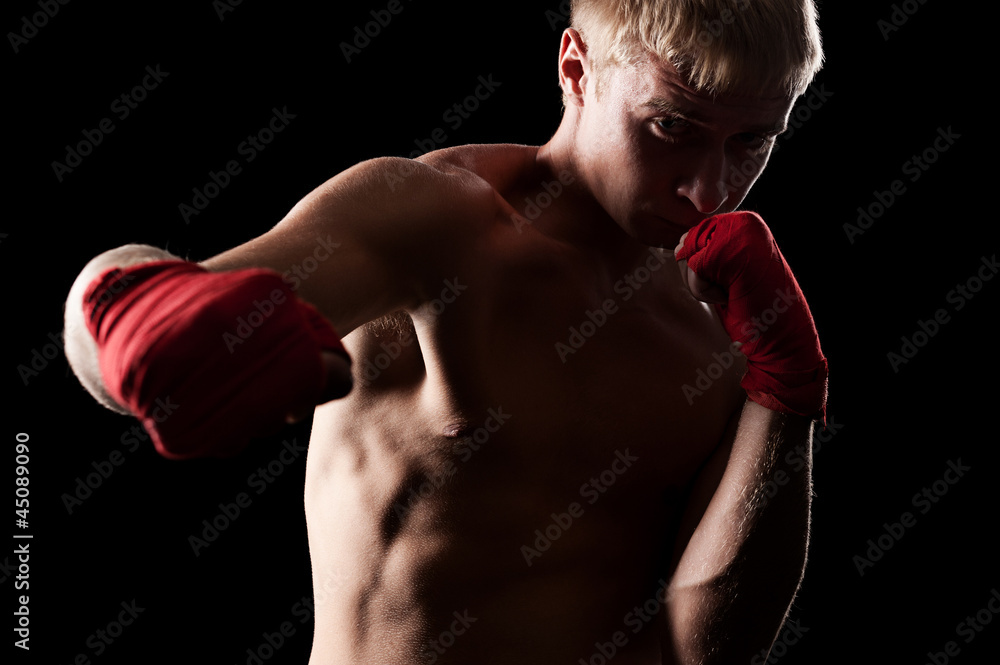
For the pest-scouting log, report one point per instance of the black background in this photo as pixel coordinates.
(895, 431)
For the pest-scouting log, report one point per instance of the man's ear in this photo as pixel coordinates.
(574, 67)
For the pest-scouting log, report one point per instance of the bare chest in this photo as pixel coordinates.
(562, 365)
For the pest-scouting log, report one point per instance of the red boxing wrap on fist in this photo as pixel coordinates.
(766, 312)
(206, 360)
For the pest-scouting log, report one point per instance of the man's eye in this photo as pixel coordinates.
(672, 125)
(753, 141)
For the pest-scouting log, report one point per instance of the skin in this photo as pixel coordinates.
(467, 430)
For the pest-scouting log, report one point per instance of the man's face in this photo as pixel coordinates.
(661, 157)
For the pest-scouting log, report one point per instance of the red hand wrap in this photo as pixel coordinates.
(766, 312)
(206, 360)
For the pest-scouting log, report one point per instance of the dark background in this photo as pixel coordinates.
(894, 431)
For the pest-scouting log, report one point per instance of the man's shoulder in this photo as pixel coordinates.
(497, 164)
(432, 195)
(454, 191)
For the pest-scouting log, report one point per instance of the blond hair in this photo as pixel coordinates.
(721, 47)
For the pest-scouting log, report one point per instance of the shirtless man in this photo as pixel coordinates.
(522, 469)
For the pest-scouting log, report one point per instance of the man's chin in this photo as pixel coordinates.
(658, 231)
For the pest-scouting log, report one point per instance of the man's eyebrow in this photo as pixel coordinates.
(770, 130)
(668, 107)
(671, 108)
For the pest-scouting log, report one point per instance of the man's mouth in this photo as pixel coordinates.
(676, 226)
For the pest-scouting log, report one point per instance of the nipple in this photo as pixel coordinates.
(456, 430)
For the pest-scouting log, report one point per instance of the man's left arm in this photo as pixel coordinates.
(743, 552)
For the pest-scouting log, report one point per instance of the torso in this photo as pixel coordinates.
(498, 489)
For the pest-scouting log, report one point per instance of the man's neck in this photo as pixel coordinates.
(575, 216)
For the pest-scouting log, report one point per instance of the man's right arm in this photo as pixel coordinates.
(376, 238)
(372, 240)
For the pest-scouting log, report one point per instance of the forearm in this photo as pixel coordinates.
(81, 349)
(742, 566)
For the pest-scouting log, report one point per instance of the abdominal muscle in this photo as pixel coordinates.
(536, 530)
(461, 567)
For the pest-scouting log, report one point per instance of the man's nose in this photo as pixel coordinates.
(704, 185)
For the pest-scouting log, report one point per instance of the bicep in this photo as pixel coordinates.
(365, 243)
(328, 268)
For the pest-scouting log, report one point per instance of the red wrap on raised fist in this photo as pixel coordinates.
(206, 360)
(765, 312)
